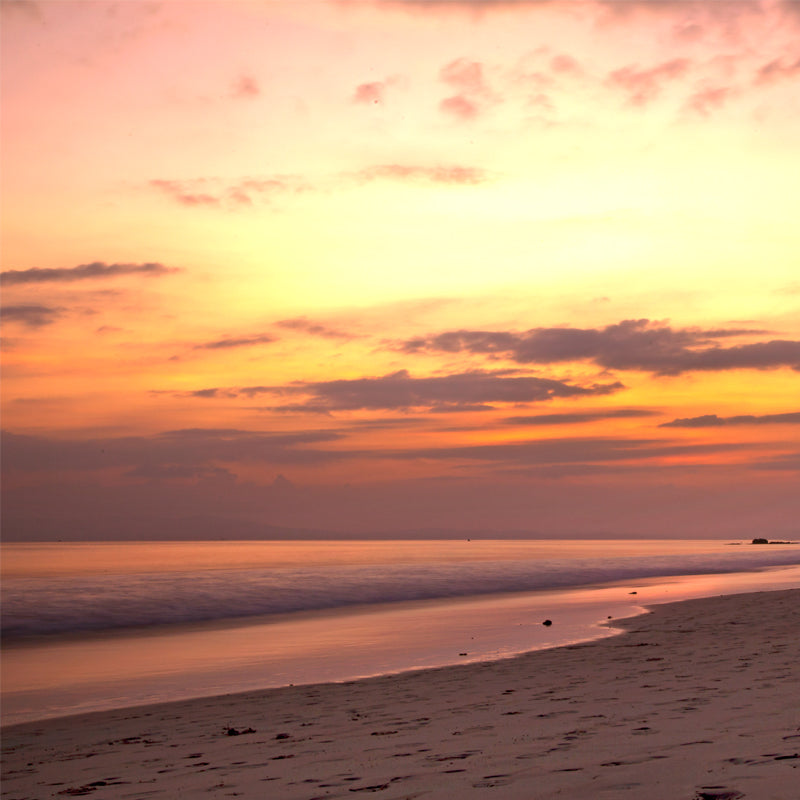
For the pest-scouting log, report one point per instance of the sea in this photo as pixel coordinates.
(92, 626)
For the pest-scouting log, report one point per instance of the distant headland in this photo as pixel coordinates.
(767, 541)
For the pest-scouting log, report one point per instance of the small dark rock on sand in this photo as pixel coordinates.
(547, 623)
(235, 732)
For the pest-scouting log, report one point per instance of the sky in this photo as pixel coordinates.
(391, 267)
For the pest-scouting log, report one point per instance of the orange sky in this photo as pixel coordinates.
(393, 265)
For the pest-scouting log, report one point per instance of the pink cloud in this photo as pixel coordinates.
(182, 192)
(369, 92)
(473, 93)
(246, 86)
(776, 70)
(434, 174)
(564, 64)
(459, 106)
(707, 100)
(464, 75)
(643, 85)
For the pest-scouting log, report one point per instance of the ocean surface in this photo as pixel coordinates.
(90, 626)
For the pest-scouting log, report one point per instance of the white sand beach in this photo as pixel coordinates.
(697, 700)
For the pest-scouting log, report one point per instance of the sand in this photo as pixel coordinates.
(696, 700)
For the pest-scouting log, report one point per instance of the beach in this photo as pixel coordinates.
(696, 699)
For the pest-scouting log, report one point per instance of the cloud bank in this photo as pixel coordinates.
(399, 391)
(641, 345)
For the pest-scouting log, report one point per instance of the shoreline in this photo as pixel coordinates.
(697, 696)
(65, 676)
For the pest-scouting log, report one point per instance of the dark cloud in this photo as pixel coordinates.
(159, 472)
(179, 451)
(442, 173)
(245, 87)
(304, 325)
(211, 393)
(242, 341)
(579, 450)
(469, 391)
(579, 418)
(713, 421)
(706, 421)
(97, 269)
(34, 316)
(788, 462)
(644, 85)
(465, 391)
(388, 423)
(639, 345)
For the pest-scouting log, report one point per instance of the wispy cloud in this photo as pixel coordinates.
(705, 101)
(242, 341)
(196, 448)
(186, 193)
(304, 325)
(439, 173)
(579, 450)
(210, 393)
(93, 271)
(713, 421)
(32, 315)
(580, 418)
(777, 70)
(642, 85)
(788, 462)
(211, 193)
(219, 193)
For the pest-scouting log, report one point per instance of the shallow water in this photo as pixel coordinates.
(121, 665)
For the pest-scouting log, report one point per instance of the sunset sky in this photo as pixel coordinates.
(384, 266)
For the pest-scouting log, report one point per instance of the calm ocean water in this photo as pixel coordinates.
(69, 588)
(89, 626)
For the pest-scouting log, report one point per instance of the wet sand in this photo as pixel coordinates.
(696, 700)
